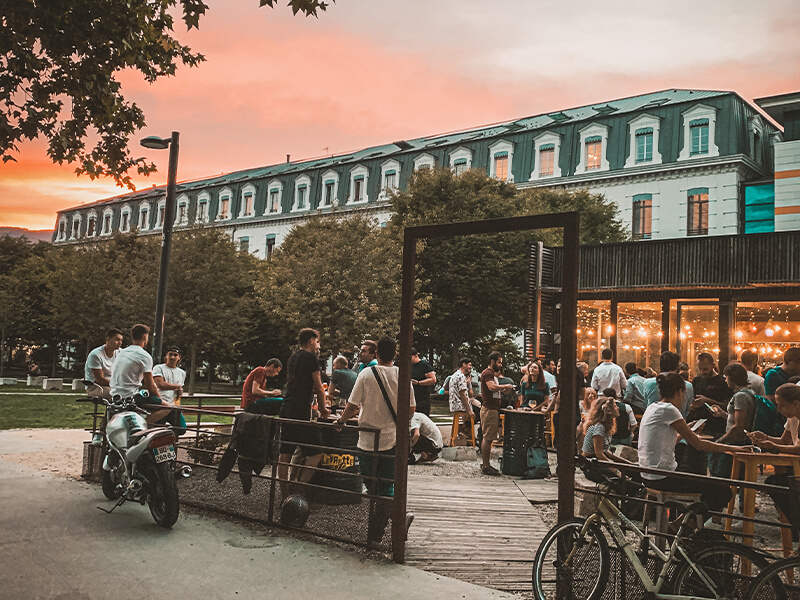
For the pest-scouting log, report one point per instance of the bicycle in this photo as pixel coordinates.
(573, 560)
(779, 581)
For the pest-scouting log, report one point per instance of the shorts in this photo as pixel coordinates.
(490, 423)
(306, 437)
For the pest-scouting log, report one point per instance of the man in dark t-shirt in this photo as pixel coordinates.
(491, 396)
(423, 378)
(342, 380)
(710, 388)
(303, 383)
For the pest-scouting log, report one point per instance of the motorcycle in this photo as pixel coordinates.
(140, 463)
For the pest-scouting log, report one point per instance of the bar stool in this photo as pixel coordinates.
(662, 512)
(457, 415)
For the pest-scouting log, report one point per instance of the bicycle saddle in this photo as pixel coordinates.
(699, 508)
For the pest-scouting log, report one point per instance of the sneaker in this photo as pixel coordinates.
(97, 440)
(409, 520)
(490, 470)
(709, 524)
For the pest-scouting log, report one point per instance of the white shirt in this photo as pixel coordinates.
(609, 375)
(550, 380)
(374, 412)
(175, 376)
(792, 426)
(131, 365)
(98, 359)
(427, 428)
(657, 438)
(756, 383)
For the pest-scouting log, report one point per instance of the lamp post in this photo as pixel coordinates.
(157, 143)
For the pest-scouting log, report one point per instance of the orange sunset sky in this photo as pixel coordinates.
(369, 72)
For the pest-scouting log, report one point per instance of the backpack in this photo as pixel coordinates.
(623, 423)
(768, 419)
(537, 465)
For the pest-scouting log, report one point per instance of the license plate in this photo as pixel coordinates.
(164, 453)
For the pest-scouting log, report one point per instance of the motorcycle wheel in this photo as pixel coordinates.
(109, 485)
(163, 496)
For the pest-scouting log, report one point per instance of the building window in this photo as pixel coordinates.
(547, 154)
(424, 161)
(328, 197)
(144, 218)
(358, 189)
(593, 144)
(698, 212)
(359, 176)
(270, 246)
(247, 208)
(759, 207)
(162, 209)
(330, 188)
(390, 178)
(643, 137)
(106, 223)
(183, 214)
(699, 126)
(642, 223)
(301, 197)
(244, 244)
(91, 228)
(461, 160)
(62, 229)
(202, 207)
(224, 205)
(594, 149)
(274, 201)
(501, 155)
(546, 147)
(125, 219)
(644, 145)
(248, 205)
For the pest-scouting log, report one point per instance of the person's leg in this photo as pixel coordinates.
(490, 423)
(782, 500)
(284, 459)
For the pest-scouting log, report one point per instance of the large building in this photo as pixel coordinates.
(677, 163)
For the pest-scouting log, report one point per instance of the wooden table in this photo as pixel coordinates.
(751, 461)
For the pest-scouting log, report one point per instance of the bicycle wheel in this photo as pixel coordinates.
(730, 568)
(781, 581)
(569, 565)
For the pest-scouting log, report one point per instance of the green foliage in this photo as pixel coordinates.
(60, 64)
(472, 290)
(338, 275)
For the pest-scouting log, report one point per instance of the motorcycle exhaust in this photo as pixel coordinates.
(185, 471)
(134, 487)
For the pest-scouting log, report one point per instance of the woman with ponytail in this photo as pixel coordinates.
(598, 428)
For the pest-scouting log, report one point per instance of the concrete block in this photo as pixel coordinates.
(35, 381)
(459, 453)
(8, 381)
(77, 386)
(53, 383)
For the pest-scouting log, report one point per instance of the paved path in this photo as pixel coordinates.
(54, 543)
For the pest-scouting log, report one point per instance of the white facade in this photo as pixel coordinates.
(787, 186)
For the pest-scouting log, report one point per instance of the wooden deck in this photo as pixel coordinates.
(481, 530)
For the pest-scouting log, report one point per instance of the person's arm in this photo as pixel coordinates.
(631, 417)
(162, 384)
(430, 379)
(100, 378)
(414, 436)
(544, 404)
(623, 381)
(595, 382)
(149, 384)
(316, 378)
(493, 387)
(783, 444)
(700, 444)
(350, 411)
(465, 401)
(261, 392)
(738, 428)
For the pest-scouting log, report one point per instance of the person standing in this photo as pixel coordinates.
(710, 390)
(460, 391)
(303, 383)
(133, 370)
(423, 378)
(750, 362)
(342, 380)
(608, 374)
(375, 396)
(255, 388)
(366, 356)
(169, 377)
(491, 395)
(634, 393)
(668, 362)
(549, 368)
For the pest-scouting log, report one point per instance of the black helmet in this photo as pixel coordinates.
(294, 511)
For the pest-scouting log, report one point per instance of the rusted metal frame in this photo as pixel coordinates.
(570, 223)
(197, 430)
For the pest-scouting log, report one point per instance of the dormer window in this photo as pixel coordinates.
(461, 160)
(182, 216)
(594, 144)
(501, 155)
(358, 185)
(301, 197)
(224, 211)
(459, 166)
(162, 209)
(643, 139)
(699, 132)
(144, 217)
(76, 226)
(248, 208)
(390, 176)
(330, 188)
(274, 194)
(546, 151)
(91, 228)
(125, 219)
(108, 216)
(424, 161)
(547, 154)
(62, 229)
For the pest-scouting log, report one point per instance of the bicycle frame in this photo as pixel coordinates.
(612, 517)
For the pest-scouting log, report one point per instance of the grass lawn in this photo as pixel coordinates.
(22, 407)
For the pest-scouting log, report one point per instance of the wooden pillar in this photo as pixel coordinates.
(612, 338)
(665, 325)
(727, 335)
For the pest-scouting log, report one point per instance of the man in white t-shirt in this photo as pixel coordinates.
(368, 397)
(169, 377)
(133, 370)
(750, 362)
(426, 439)
(608, 374)
(100, 364)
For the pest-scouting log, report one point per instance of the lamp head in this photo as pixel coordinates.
(155, 143)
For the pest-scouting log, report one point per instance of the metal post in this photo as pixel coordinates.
(567, 407)
(403, 400)
(166, 247)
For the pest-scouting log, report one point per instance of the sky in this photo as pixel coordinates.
(369, 72)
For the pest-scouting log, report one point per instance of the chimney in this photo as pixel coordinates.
(288, 158)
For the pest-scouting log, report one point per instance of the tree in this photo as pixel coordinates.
(338, 275)
(59, 74)
(472, 290)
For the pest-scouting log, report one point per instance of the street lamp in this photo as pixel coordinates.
(157, 143)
